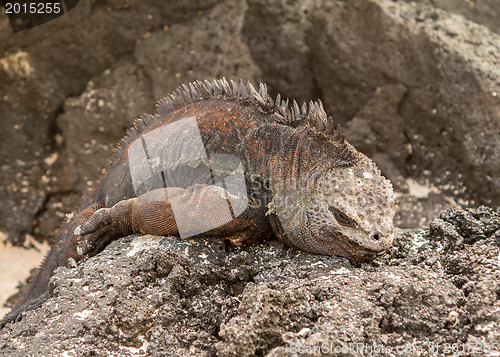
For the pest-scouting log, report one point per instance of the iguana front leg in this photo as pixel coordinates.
(170, 211)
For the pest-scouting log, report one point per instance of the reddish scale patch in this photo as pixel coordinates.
(222, 122)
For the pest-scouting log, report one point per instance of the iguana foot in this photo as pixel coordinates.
(105, 225)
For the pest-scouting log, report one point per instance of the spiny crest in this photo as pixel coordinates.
(139, 126)
(324, 124)
(216, 89)
(315, 116)
(312, 114)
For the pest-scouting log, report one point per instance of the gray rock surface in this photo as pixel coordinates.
(437, 288)
(484, 12)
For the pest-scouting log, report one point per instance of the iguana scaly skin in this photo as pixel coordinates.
(304, 182)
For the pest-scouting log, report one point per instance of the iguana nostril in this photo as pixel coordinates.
(376, 236)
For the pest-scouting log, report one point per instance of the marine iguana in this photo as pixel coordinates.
(224, 159)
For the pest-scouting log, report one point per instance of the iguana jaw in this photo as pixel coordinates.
(337, 243)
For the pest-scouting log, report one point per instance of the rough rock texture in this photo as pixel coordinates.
(485, 12)
(438, 288)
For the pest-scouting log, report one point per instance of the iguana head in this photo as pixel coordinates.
(351, 212)
(348, 212)
(342, 205)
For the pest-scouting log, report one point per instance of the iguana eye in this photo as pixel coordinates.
(341, 217)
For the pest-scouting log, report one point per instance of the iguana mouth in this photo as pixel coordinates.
(340, 244)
